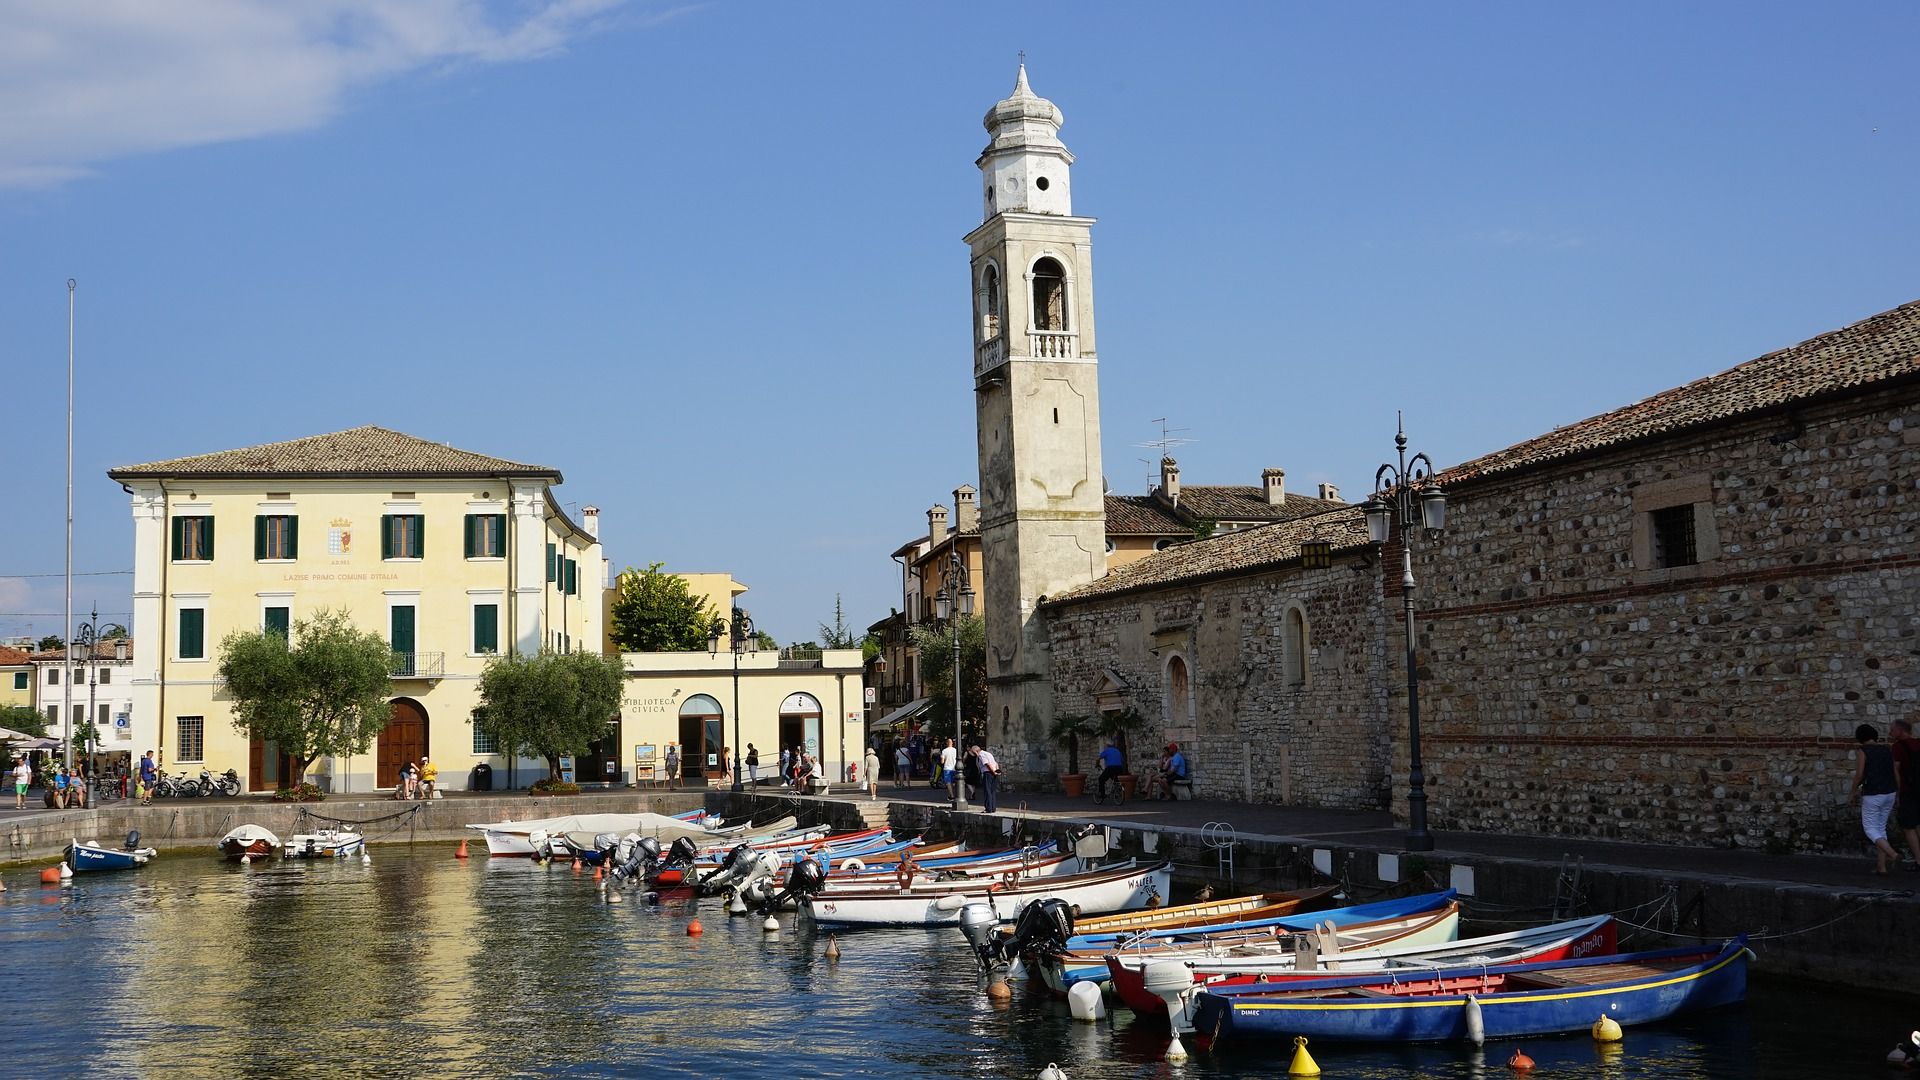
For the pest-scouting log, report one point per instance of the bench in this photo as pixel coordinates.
(1183, 789)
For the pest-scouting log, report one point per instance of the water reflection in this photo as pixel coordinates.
(422, 964)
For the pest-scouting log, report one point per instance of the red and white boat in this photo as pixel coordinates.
(248, 841)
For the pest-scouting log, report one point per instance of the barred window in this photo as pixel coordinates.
(484, 743)
(1673, 541)
(191, 744)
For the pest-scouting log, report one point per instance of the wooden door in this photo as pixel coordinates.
(404, 740)
(267, 768)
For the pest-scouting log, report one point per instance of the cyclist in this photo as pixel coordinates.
(1111, 765)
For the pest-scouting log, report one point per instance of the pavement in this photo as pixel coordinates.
(1309, 825)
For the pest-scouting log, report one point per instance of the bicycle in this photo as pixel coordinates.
(1119, 792)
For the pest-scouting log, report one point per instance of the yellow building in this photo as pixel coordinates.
(16, 678)
(453, 556)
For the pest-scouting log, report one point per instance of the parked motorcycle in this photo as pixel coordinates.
(227, 783)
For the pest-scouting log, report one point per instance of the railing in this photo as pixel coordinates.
(419, 665)
(1053, 344)
(796, 657)
(990, 353)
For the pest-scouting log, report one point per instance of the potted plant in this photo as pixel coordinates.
(1066, 732)
(1120, 727)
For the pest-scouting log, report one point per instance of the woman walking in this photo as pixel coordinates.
(1874, 787)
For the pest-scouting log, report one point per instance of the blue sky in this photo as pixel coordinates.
(706, 259)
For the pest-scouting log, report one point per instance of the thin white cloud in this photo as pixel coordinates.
(87, 81)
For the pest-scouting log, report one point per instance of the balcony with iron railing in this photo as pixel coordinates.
(419, 665)
(990, 353)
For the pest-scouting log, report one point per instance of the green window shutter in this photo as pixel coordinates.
(293, 537)
(193, 626)
(180, 543)
(471, 527)
(499, 536)
(486, 628)
(573, 578)
(259, 536)
(419, 536)
(552, 555)
(386, 536)
(206, 538)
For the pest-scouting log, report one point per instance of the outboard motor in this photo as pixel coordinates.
(684, 852)
(133, 840)
(728, 867)
(1907, 1054)
(754, 883)
(1044, 926)
(978, 922)
(603, 848)
(807, 878)
(542, 845)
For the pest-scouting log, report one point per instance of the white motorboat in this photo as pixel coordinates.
(324, 844)
(511, 838)
(1121, 887)
(248, 841)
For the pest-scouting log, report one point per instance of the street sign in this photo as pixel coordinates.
(872, 695)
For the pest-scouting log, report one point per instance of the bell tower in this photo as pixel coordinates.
(1037, 395)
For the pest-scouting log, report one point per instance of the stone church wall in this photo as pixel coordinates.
(1569, 689)
(1250, 734)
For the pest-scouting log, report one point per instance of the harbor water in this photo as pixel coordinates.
(419, 964)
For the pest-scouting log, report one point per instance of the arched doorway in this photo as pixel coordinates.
(701, 723)
(404, 740)
(800, 723)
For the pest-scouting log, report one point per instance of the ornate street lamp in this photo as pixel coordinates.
(742, 640)
(1406, 495)
(956, 583)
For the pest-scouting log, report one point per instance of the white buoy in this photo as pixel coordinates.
(1085, 1003)
(65, 871)
(365, 859)
(1175, 1051)
(1052, 1072)
(1476, 1024)
(738, 906)
(614, 897)
(772, 925)
(247, 859)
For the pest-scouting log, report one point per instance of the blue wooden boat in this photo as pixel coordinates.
(1339, 916)
(87, 855)
(1543, 998)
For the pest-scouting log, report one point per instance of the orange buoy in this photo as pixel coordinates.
(597, 873)
(461, 851)
(1520, 1062)
(694, 929)
(576, 864)
(50, 876)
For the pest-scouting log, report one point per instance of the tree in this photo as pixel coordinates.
(870, 647)
(324, 692)
(112, 631)
(657, 612)
(935, 643)
(86, 736)
(24, 719)
(552, 704)
(50, 643)
(837, 634)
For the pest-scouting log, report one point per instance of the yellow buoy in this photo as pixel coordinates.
(1606, 1030)
(1303, 1063)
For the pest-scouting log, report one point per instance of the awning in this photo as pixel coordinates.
(905, 712)
(14, 736)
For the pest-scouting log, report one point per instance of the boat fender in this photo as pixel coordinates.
(852, 866)
(950, 903)
(1303, 1063)
(1085, 1003)
(694, 929)
(66, 871)
(833, 947)
(1606, 1029)
(1476, 1024)
(50, 875)
(1052, 1072)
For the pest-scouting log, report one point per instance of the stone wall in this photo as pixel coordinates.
(1570, 688)
(1249, 730)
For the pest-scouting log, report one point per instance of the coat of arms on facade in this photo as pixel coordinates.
(340, 537)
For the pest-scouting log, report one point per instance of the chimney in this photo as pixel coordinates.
(590, 520)
(1170, 480)
(1329, 493)
(936, 525)
(966, 513)
(1274, 481)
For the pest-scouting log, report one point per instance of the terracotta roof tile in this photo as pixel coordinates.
(12, 657)
(102, 650)
(1244, 502)
(1141, 515)
(1874, 350)
(1262, 546)
(361, 451)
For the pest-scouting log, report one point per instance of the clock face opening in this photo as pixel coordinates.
(1041, 183)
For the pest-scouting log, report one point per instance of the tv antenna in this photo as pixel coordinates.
(1169, 439)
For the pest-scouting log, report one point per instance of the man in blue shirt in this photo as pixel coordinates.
(1175, 772)
(1111, 764)
(149, 775)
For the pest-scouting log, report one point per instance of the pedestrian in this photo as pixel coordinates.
(673, 764)
(149, 776)
(1906, 777)
(403, 787)
(1874, 786)
(429, 777)
(802, 772)
(989, 778)
(873, 773)
(1112, 761)
(22, 779)
(1173, 770)
(902, 765)
(786, 767)
(970, 771)
(753, 765)
(726, 766)
(949, 774)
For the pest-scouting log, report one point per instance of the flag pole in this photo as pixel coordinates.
(66, 683)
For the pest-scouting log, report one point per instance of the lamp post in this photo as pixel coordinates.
(1407, 494)
(740, 631)
(86, 637)
(956, 584)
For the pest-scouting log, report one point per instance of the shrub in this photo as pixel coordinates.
(303, 793)
(555, 787)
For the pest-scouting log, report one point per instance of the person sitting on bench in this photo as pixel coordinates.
(1175, 771)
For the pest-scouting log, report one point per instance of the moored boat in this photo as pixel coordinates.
(324, 844)
(248, 841)
(1205, 913)
(1114, 888)
(1501, 1000)
(1595, 936)
(512, 838)
(88, 855)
